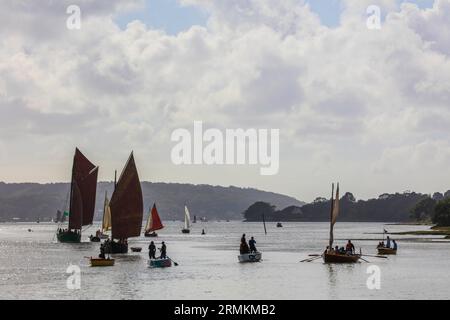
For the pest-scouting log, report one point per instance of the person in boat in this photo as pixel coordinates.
(380, 244)
(388, 242)
(102, 251)
(394, 245)
(152, 250)
(163, 251)
(350, 248)
(203, 232)
(336, 249)
(244, 249)
(252, 244)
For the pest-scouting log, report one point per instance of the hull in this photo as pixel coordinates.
(98, 262)
(186, 231)
(69, 237)
(387, 251)
(279, 225)
(250, 257)
(136, 249)
(116, 248)
(151, 235)
(160, 263)
(94, 239)
(340, 258)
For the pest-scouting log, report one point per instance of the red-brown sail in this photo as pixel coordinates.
(83, 190)
(126, 203)
(88, 189)
(155, 222)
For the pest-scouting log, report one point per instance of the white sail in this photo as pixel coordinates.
(106, 225)
(187, 218)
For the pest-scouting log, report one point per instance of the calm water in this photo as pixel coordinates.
(33, 265)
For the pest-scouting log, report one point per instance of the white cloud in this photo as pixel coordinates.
(346, 99)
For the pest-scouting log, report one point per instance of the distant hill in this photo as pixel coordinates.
(30, 201)
(387, 208)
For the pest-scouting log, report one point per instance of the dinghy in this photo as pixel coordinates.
(330, 256)
(160, 263)
(99, 262)
(136, 249)
(279, 225)
(387, 251)
(83, 189)
(187, 221)
(153, 223)
(250, 257)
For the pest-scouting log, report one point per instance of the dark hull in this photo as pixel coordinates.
(94, 239)
(151, 235)
(69, 237)
(387, 251)
(340, 258)
(186, 231)
(116, 248)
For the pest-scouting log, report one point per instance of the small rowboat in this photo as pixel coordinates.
(250, 257)
(387, 251)
(160, 263)
(340, 258)
(94, 239)
(98, 262)
(136, 249)
(151, 235)
(279, 225)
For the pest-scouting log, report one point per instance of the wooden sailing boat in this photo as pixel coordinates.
(153, 223)
(127, 208)
(187, 221)
(330, 256)
(83, 188)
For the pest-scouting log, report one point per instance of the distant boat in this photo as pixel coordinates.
(127, 208)
(99, 262)
(387, 251)
(160, 263)
(187, 221)
(83, 189)
(195, 219)
(154, 223)
(330, 256)
(279, 225)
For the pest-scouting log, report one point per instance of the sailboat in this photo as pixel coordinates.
(187, 221)
(330, 256)
(83, 188)
(126, 208)
(153, 224)
(106, 222)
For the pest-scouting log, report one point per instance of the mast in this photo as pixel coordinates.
(264, 222)
(330, 245)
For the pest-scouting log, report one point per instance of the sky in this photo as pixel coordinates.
(367, 108)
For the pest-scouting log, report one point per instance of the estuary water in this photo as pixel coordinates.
(34, 266)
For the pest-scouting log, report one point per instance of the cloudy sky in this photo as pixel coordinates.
(370, 108)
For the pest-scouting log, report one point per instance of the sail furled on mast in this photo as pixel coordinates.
(126, 203)
(154, 221)
(187, 218)
(334, 213)
(106, 224)
(83, 191)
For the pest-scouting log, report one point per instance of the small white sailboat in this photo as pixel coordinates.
(187, 221)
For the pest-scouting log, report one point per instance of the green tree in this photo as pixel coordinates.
(423, 210)
(257, 210)
(442, 213)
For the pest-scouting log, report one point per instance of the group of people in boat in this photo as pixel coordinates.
(152, 251)
(349, 249)
(388, 244)
(61, 231)
(249, 247)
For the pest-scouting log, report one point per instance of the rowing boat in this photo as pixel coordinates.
(250, 257)
(340, 258)
(160, 263)
(99, 262)
(387, 251)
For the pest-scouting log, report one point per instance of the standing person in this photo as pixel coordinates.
(244, 249)
(388, 242)
(102, 251)
(252, 244)
(152, 250)
(394, 245)
(163, 251)
(350, 248)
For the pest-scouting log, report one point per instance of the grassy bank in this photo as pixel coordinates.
(434, 231)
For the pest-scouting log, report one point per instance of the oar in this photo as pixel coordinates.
(314, 255)
(176, 264)
(381, 257)
(364, 260)
(311, 259)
